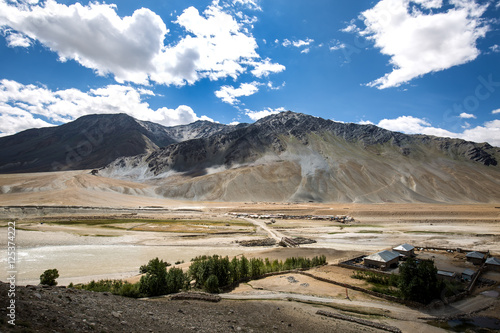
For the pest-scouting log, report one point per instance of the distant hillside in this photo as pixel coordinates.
(92, 141)
(296, 157)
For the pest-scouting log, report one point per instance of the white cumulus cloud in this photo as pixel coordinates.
(230, 94)
(426, 39)
(465, 115)
(497, 111)
(352, 27)
(136, 48)
(15, 39)
(430, 3)
(297, 43)
(265, 67)
(413, 125)
(256, 115)
(337, 46)
(489, 132)
(270, 85)
(93, 35)
(252, 4)
(18, 120)
(21, 106)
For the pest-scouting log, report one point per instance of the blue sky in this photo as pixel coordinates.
(421, 66)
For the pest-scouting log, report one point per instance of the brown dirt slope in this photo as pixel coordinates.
(68, 310)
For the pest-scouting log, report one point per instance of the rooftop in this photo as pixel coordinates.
(475, 254)
(446, 273)
(468, 272)
(404, 247)
(384, 256)
(493, 261)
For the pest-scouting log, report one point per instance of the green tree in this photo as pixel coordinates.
(256, 267)
(224, 273)
(234, 270)
(49, 277)
(154, 283)
(244, 268)
(144, 268)
(212, 284)
(418, 281)
(176, 280)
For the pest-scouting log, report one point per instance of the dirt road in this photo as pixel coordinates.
(393, 311)
(398, 312)
(272, 233)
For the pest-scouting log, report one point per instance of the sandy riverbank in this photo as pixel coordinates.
(85, 249)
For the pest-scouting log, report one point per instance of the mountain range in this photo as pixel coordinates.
(93, 141)
(284, 157)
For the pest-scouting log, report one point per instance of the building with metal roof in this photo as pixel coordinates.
(446, 275)
(405, 249)
(493, 263)
(383, 259)
(468, 274)
(475, 257)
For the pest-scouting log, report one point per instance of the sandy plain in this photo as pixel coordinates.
(92, 227)
(122, 219)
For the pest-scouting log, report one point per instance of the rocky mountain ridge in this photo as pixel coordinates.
(296, 157)
(246, 143)
(92, 141)
(284, 157)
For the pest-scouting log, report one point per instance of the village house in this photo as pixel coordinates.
(445, 275)
(493, 264)
(477, 258)
(468, 274)
(406, 250)
(383, 260)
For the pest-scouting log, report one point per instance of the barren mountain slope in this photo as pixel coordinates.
(93, 141)
(295, 157)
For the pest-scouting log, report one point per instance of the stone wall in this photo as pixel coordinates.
(359, 321)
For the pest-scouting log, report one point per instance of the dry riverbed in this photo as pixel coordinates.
(85, 245)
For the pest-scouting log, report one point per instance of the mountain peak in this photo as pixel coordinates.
(92, 141)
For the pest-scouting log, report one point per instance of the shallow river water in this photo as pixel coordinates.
(83, 262)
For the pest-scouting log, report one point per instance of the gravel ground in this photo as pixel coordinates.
(59, 309)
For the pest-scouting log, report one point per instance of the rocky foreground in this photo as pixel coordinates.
(59, 309)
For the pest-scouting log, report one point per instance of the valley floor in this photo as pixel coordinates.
(110, 233)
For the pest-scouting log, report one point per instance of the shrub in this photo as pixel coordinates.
(49, 277)
(116, 287)
(377, 278)
(130, 290)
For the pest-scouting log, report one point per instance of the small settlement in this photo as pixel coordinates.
(337, 218)
(450, 267)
